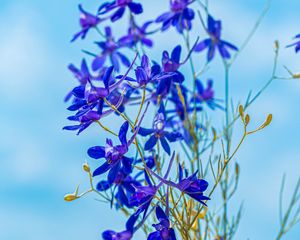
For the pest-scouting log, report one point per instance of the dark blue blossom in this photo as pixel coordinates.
(192, 186)
(109, 50)
(113, 155)
(163, 228)
(144, 195)
(158, 132)
(149, 160)
(125, 92)
(124, 183)
(179, 16)
(124, 235)
(83, 75)
(145, 73)
(88, 100)
(170, 65)
(205, 95)
(296, 44)
(87, 21)
(214, 41)
(112, 235)
(136, 35)
(121, 6)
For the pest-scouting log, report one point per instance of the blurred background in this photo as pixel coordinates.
(40, 163)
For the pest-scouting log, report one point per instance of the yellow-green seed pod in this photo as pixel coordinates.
(241, 111)
(86, 167)
(276, 45)
(247, 119)
(70, 197)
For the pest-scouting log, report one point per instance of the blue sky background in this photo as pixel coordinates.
(40, 162)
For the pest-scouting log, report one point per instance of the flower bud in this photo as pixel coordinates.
(86, 167)
(241, 111)
(276, 45)
(70, 197)
(247, 119)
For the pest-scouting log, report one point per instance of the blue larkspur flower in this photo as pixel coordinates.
(88, 99)
(158, 132)
(205, 94)
(124, 184)
(190, 185)
(113, 155)
(87, 21)
(163, 228)
(214, 41)
(179, 16)
(148, 73)
(296, 44)
(144, 195)
(109, 51)
(120, 7)
(136, 34)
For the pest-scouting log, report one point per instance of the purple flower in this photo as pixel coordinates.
(83, 75)
(192, 186)
(170, 65)
(109, 50)
(205, 94)
(136, 35)
(124, 235)
(144, 195)
(296, 44)
(115, 95)
(214, 41)
(163, 229)
(88, 101)
(112, 235)
(125, 186)
(150, 162)
(114, 156)
(87, 21)
(179, 16)
(158, 132)
(120, 5)
(146, 73)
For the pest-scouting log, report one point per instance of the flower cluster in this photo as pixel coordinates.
(121, 82)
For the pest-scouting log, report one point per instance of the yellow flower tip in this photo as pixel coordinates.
(247, 119)
(70, 197)
(214, 134)
(297, 75)
(241, 111)
(276, 45)
(268, 120)
(237, 169)
(86, 167)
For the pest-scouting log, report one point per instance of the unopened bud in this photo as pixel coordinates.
(296, 75)
(276, 45)
(247, 119)
(241, 111)
(268, 121)
(237, 169)
(86, 167)
(70, 197)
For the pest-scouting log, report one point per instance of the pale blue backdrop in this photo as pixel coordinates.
(40, 162)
